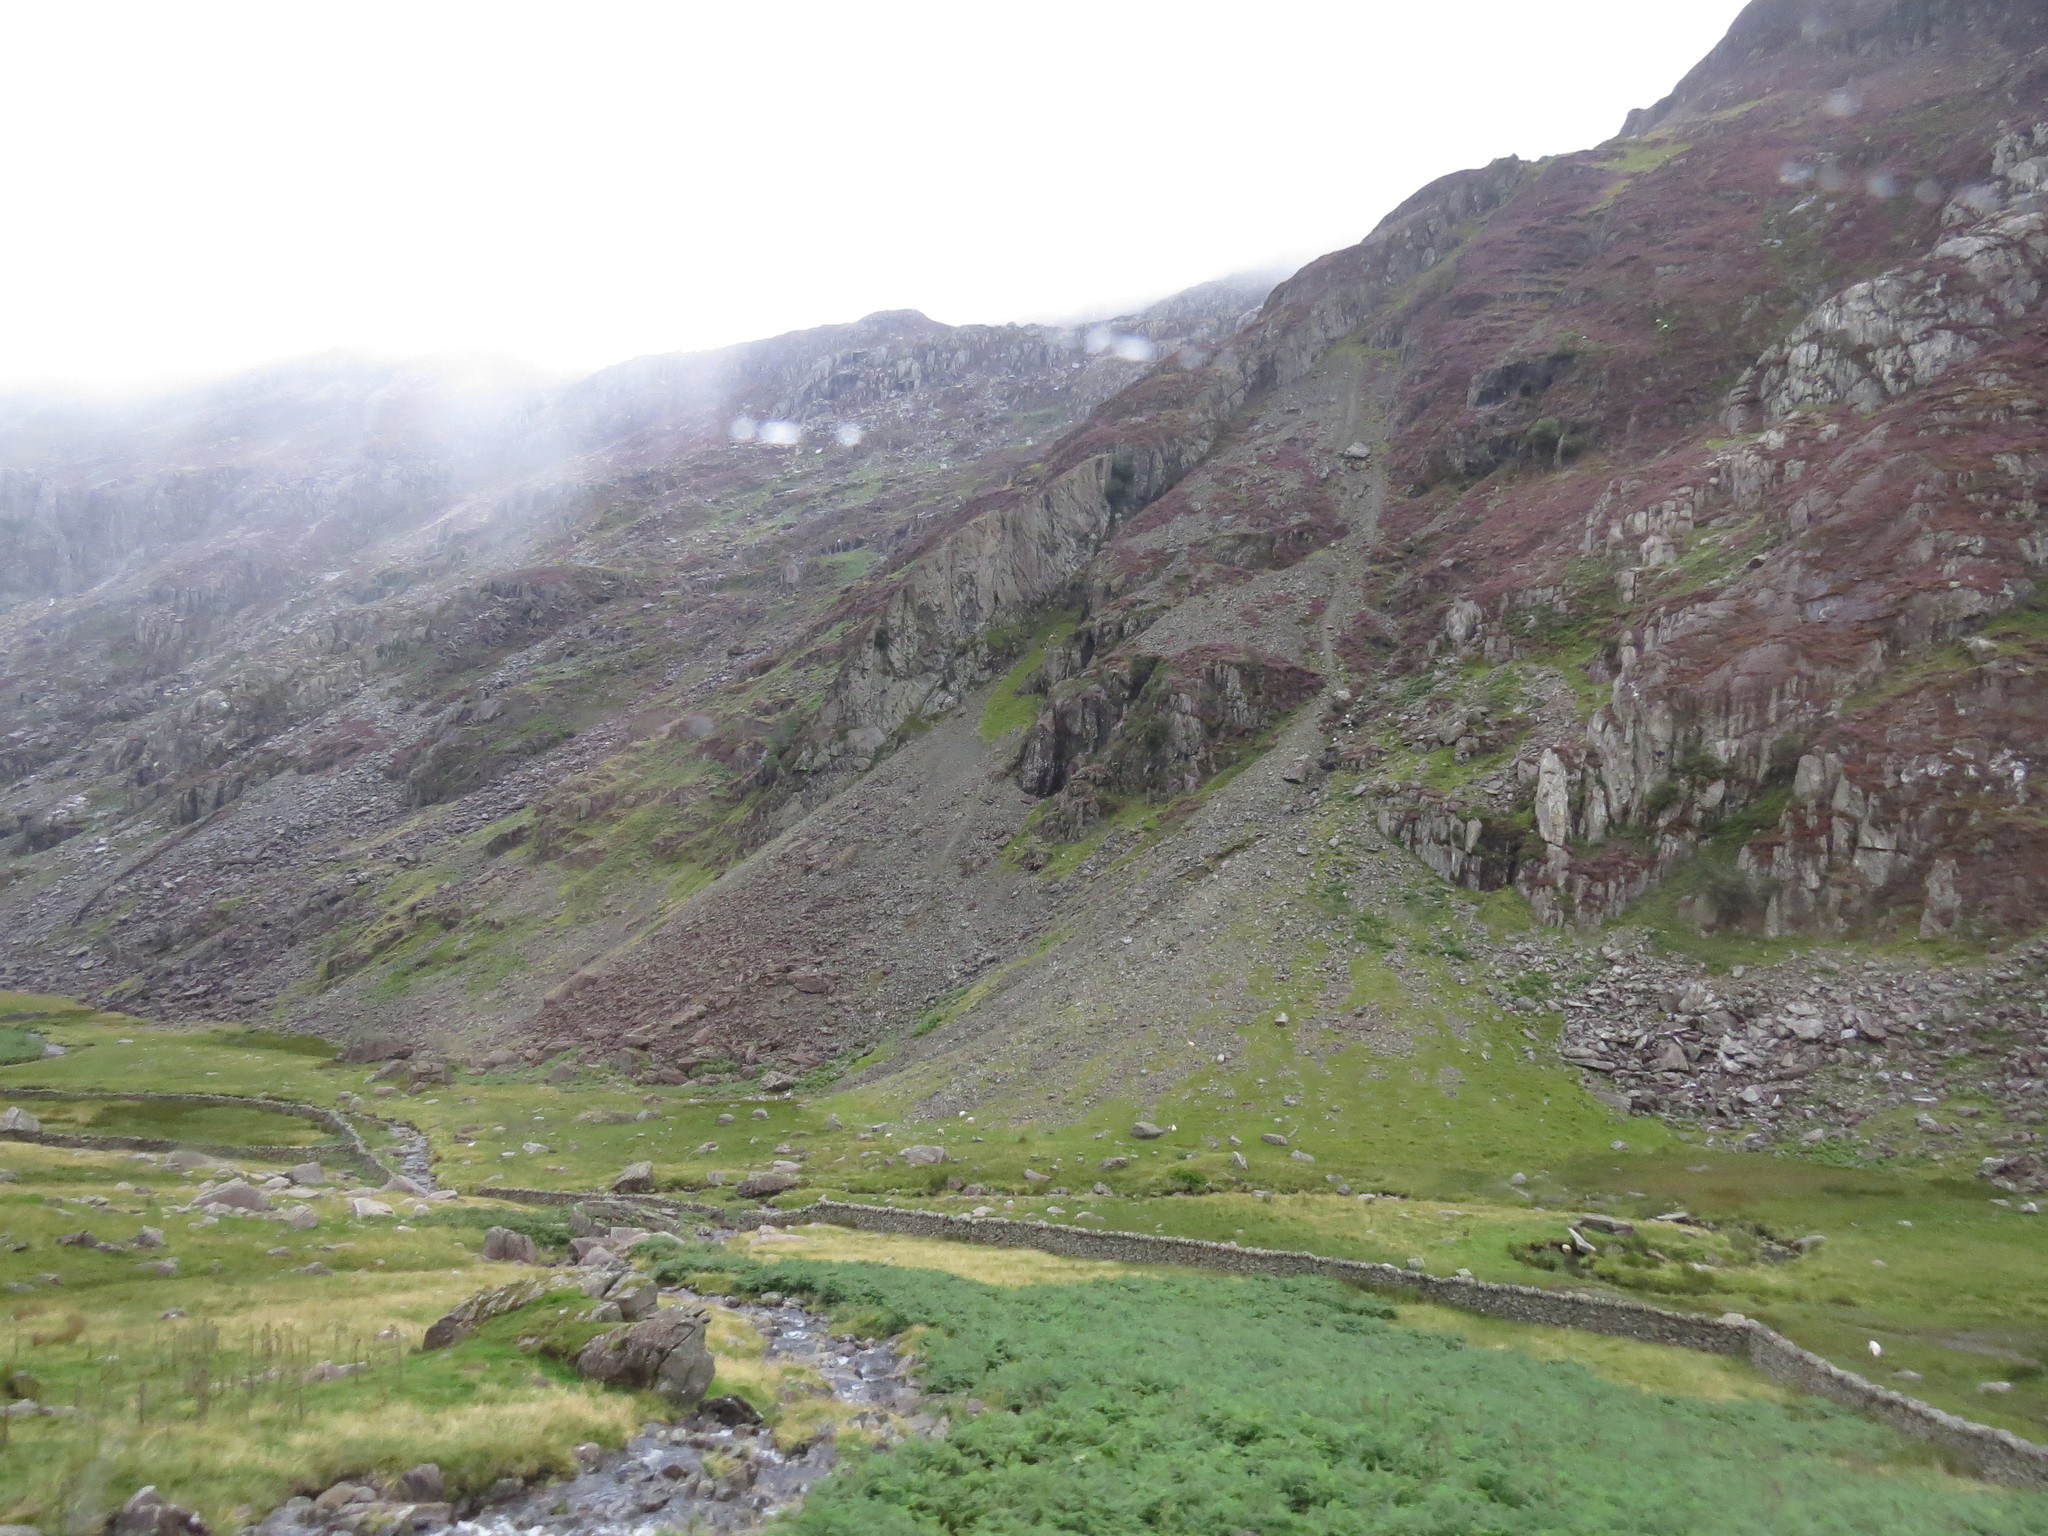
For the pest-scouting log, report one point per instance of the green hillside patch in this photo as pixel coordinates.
(1008, 708)
(1292, 1407)
(218, 1125)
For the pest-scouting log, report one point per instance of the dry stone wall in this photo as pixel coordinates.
(350, 1146)
(1999, 1455)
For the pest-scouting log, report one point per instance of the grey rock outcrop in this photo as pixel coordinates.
(462, 1321)
(1880, 339)
(637, 1179)
(503, 1245)
(147, 1513)
(666, 1353)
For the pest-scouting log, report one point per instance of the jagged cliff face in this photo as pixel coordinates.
(1654, 524)
(282, 615)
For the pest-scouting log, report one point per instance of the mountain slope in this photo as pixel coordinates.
(1645, 535)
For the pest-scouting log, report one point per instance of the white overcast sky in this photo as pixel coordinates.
(197, 186)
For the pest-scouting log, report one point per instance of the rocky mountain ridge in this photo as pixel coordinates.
(1649, 532)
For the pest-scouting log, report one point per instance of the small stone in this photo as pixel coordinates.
(1274, 1139)
(1033, 1176)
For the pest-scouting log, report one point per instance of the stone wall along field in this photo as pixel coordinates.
(1998, 1455)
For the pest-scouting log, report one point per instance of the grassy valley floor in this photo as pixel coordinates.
(1943, 1278)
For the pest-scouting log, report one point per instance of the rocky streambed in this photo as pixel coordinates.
(715, 1469)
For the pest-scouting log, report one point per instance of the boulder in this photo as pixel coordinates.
(184, 1158)
(922, 1157)
(636, 1179)
(149, 1237)
(481, 1308)
(1033, 1176)
(1145, 1130)
(302, 1218)
(147, 1514)
(240, 1195)
(591, 1253)
(370, 1048)
(778, 1082)
(423, 1484)
(341, 1495)
(758, 1186)
(362, 1208)
(399, 1184)
(1274, 1139)
(18, 1119)
(1112, 1164)
(666, 1353)
(636, 1297)
(504, 1246)
(582, 1224)
(2021, 1173)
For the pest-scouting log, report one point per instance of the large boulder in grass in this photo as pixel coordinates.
(666, 1353)
(481, 1308)
(505, 1246)
(759, 1186)
(637, 1179)
(239, 1194)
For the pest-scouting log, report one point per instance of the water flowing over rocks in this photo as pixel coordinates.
(716, 1469)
